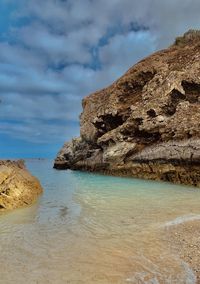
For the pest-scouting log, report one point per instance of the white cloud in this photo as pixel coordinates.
(124, 49)
(59, 51)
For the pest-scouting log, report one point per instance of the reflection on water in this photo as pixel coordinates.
(90, 228)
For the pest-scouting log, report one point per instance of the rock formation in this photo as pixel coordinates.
(147, 123)
(17, 186)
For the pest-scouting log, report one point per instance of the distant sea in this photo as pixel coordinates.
(90, 228)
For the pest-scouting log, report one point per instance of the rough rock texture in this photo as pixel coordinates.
(17, 186)
(147, 123)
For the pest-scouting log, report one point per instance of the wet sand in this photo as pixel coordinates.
(184, 240)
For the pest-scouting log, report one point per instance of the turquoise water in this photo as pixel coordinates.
(90, 228)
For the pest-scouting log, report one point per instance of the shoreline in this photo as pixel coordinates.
(183, 239)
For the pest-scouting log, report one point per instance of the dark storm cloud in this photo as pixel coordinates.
(55, 52)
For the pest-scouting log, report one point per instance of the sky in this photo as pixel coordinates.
(55, 52)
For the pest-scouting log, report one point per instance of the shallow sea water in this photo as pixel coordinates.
(89, 228)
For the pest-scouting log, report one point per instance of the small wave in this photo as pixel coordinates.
(190, 276)
(187, 277)
(140, 278)
(182, 219)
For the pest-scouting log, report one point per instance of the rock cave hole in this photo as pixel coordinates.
(151, 113)
(192, 91)
(108, 122)
(174, 98)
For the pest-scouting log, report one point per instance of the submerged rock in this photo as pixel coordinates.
(17, 186)
(147, 123)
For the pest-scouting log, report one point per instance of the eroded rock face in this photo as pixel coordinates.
(147, 123)
(17, 186)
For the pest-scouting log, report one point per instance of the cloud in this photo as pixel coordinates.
(70, 48)
(124, 49)
(54, 52)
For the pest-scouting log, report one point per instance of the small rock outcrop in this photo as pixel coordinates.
(17, 186)
(147, 123)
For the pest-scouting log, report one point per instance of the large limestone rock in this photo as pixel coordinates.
(17, 186)
(147, 123)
